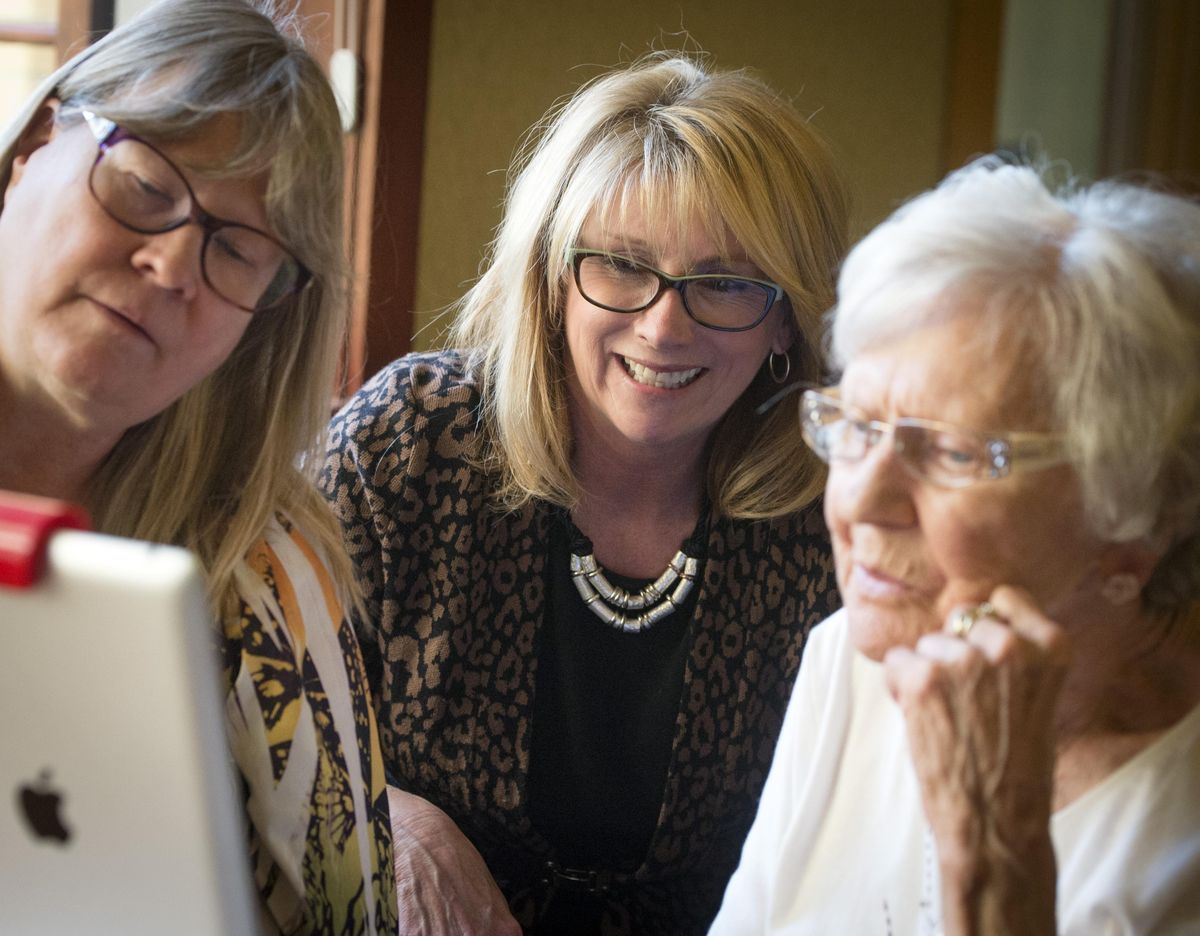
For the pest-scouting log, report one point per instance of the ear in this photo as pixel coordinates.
(785, 330)
(1126, 567)
(37, 133)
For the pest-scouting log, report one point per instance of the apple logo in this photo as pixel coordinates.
(41, 805)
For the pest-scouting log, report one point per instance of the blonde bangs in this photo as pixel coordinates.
(688, 150)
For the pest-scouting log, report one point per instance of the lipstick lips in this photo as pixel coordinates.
(875, 583)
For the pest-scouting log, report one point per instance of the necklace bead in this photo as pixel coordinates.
(609, 602)
(633, 612)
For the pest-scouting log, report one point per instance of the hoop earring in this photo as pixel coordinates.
(774, 369)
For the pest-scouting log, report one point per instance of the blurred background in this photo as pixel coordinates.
(440, 93)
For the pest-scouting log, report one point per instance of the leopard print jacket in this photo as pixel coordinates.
(456, 591)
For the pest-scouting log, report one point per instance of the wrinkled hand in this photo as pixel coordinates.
(443, 886)
(979, 712)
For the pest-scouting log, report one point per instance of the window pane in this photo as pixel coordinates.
(29, 11)
(22, 66)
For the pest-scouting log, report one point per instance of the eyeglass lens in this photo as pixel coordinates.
(622, 285)
(936, 453)
(142, 190)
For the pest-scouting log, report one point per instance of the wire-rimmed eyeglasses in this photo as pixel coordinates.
(938, 452)
(721, 301)
(142, 190)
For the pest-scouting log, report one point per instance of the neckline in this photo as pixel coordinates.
(1165, 745)
(694, 544)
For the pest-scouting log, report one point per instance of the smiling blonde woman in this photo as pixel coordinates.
(575, 529)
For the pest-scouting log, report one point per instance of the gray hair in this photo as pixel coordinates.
(1101, 287)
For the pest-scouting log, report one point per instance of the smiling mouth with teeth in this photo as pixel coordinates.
(669, 380)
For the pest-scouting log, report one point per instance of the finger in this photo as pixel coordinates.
(896, 662)
(963, 618)
(909, 675)
(943, 647)
(1026, 618)
(998, 642)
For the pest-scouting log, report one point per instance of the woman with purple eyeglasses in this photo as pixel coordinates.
(171, 315)
(1000, 734)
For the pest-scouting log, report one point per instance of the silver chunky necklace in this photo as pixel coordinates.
(660, 598)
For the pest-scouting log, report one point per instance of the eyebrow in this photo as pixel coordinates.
(643, 249)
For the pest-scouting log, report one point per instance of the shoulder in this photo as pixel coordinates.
(302, 733)
(284, 578)
(411, 401)
(287, 603)
(789, 555)
(806, 525)
(803, 527)
(427, 381)
(417, 403)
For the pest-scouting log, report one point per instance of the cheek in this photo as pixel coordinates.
(833, 521)
(590, 334)
(839, 499)
(575, 323)
(1036, 545)
(740, 356)
(211, 346)
(969, 559)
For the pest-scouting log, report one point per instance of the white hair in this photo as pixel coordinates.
(1100, 286)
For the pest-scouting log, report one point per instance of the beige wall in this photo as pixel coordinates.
(125, 9)
(871, 73)
(1053, 80)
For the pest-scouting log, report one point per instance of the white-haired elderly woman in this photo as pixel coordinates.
(171, 314)
(1000, 733)
(576, 531)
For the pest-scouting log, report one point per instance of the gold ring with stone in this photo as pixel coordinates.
(964, 619)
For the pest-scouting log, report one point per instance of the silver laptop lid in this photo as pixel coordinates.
(119, 809)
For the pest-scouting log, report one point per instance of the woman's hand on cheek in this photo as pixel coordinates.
(979, 710)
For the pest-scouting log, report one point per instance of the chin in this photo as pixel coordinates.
(875, 629)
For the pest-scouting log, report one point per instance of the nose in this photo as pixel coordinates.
(874, 489)
(172, 259)
(666, 322)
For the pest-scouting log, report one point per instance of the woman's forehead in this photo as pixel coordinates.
(662, 220)
(949, 369)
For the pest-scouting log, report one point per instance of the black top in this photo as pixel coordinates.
(456, 594)
(603, 720)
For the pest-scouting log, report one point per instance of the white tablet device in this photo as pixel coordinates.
(120, 803)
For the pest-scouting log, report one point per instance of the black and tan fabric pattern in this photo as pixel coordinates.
(456, 592)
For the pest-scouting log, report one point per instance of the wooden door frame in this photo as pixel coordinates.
(78, 23)
(972, 80)
(384, 156)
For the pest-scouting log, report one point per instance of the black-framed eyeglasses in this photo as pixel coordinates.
(142, 190)
(943, 454)
(720, 301)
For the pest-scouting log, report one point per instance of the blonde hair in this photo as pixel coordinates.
(687, 144)
(210, 471)
(1102, 286)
